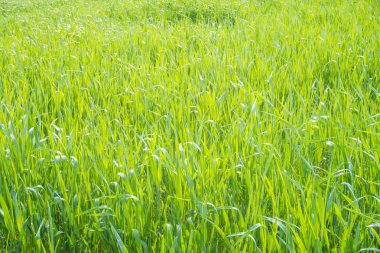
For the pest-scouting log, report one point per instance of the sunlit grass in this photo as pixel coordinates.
(190, 126)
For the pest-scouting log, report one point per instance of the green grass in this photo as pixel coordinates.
(189, 126)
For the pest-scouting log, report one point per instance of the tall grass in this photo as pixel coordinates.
(189, 126)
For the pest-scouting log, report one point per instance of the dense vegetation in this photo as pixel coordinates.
(190, 126)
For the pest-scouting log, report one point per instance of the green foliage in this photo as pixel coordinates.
(189, 126)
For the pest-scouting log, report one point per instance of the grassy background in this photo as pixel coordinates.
(190, 126)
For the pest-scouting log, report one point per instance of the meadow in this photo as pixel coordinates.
(190, 126)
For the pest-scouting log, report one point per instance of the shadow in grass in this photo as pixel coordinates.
(173, 14)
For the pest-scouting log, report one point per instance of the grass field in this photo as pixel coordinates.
(190, 126)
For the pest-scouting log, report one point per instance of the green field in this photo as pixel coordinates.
(190, 126)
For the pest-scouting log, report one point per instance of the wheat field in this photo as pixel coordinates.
(190, 126)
